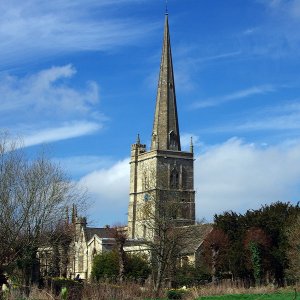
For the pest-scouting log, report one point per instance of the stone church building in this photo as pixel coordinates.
(164, 173)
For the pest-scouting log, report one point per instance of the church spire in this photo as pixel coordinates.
(165, 134)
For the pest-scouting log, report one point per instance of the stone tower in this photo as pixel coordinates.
(164, 173)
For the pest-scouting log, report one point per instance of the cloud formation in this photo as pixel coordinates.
(283, 119)
(109, 190)
(231, 176)
(239, 176)
(32, 29)
(45, 106)
(252, 91)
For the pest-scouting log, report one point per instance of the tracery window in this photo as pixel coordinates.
(174, 179)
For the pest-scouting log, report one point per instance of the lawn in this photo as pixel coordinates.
(276, 296)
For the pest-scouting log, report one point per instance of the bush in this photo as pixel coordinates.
(175, 294)
(190, 276)
(74, 287)
(137, 267)
(106, 265)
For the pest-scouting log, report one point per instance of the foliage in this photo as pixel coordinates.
(270, 222)
(69, 288)
(176, 294)
(64, 293)
(137, 267)
(273, 296)
(106, 265)
(256, 261)
(293, 252)
(257, 243)
(215, 251)
(189, 275)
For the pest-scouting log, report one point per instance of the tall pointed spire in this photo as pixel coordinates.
(165, 134)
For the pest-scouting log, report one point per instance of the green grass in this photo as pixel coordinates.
(276, 296)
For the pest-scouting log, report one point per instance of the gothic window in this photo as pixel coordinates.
(172, 140)
(184, 177)
(174, 179)
(94, 252)
(80, 260)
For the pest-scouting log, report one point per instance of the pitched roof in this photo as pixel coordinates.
(194, 237)
(100, 232)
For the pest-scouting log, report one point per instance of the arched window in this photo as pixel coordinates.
(94, 253)
(184, 178)
(80, 260)
(172, 140)
(174, 179)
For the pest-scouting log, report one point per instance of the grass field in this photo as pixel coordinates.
(276, 296)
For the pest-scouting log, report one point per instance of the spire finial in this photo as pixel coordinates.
(166, 8)
(192, 145)
(138, 140)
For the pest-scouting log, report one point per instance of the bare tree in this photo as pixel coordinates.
(34, 195)
(120, 235)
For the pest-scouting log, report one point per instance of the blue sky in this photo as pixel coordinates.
(79, 78)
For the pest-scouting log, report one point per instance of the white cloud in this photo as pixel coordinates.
(60, 133)
(215, 101)
(48, 91)
(46, 107)
(33, 29)
(284, 118)
(109, 189)
(238, 176)
(231, 176)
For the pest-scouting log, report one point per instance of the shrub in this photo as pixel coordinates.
(106, 265)
(137, 267)
(74, 288)
(175, 294)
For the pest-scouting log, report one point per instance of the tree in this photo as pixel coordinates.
(257, 243)
(293, 252)
(34, 195)
(120, 236)
(232, 224)
(274, 219)
(215, 251)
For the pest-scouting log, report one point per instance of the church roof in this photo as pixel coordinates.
(100, 232)
(165, 134)
(195, 235)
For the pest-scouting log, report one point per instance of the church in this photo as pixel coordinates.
(161, 179)
(164, 172)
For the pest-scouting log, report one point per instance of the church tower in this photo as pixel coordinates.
(164, 174)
